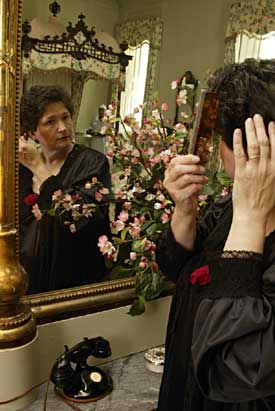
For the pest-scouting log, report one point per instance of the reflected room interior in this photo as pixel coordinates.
(151, 34)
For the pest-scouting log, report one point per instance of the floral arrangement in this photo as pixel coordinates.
(141, 208)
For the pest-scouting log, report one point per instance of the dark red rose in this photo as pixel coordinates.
(31, 199)
(200, 276)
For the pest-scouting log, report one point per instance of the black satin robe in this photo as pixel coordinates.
(54, 257)
(220, 344)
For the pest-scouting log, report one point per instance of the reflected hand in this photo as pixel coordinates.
(254, 182)
(184, 180)
(29, 154)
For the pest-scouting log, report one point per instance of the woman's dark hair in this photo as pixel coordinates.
(245, 89)
(35, 101)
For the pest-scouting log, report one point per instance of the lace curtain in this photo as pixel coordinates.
(137, 31)
(254, 16)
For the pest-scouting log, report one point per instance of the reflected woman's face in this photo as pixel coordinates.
(55, 128)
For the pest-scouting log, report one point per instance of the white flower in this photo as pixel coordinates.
(150, 197)
(88, 185)
(174, 85)
(157, 206)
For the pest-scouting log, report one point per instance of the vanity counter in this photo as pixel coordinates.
(135, 389)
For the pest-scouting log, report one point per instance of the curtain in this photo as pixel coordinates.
(254, 46)
(254, 16)
(135, 32)
(135, 82)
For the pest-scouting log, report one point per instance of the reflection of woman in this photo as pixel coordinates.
(54, 257)
(220, 346)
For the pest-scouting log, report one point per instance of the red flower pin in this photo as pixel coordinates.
(200, 276)
(31, 199)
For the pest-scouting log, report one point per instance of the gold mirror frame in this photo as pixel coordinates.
(17, 323)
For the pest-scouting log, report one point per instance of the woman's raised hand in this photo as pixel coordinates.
(184, 180)
(29, 155)
(253, 189)
(254, 181)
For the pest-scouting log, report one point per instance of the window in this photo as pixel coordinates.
(255, 46)
(135, 80)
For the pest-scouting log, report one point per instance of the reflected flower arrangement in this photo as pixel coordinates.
(140, 208)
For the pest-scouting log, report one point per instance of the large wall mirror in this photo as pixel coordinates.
(179, 43)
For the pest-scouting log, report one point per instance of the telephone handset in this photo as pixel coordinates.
(82, 383)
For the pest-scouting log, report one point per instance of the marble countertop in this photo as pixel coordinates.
(135, 389)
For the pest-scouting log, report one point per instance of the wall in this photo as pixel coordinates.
(193, 37)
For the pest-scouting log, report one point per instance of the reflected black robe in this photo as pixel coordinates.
(53, 257)
(220, 344)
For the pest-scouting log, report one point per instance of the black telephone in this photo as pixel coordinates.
(82, 383)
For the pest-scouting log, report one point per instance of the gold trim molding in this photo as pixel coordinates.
(17, 324)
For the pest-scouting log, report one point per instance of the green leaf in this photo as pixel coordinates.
(152, 229)
(138, 306)
(51, 212)
(124, 233)
(208, 190)
(119, 272)
(114, 120)
(116, 167)
(149, 284)
(223, 178)
(138, 245)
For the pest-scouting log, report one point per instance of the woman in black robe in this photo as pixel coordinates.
(220, 345)
(53, 256)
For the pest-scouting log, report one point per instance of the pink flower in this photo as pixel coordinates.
(180, 127)
(164, 218)
(181, 97)
(202, 197)
(56, 195)
(134, 231)
(174, 85)
(102, 240)
(72, 228)
(36, 212)
(118, 225)
(123, 216)
(157, 185)
(224, 192)
(200, 276)
(105, 246)
(143, 262)
(160, 197)
(164, 107)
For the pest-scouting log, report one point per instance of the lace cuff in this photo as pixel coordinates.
(241, 254)
(234, 274)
